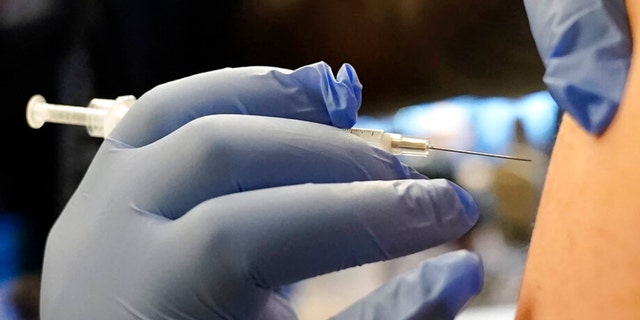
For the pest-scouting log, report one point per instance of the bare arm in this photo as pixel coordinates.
(584, 259)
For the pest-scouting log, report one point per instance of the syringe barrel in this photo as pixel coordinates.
(392, 142)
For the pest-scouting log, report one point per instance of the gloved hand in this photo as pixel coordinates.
(190, 212)
(586, 49)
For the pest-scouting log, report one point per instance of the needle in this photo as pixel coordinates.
(479, 153)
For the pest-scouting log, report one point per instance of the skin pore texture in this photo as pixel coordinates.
(584, 256)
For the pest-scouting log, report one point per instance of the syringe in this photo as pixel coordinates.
(102, 115)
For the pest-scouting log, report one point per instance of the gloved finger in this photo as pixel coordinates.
(309, 93)
(437, 289)
(586, 49)
(234, 153)
(279, 236)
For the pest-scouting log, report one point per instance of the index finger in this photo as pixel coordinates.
(309, 93)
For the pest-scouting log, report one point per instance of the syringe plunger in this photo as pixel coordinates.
(100, 117)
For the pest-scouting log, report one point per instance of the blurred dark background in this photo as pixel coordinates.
(70, 51)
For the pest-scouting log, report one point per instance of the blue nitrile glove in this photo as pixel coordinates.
(188, 213)
(586, 49)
